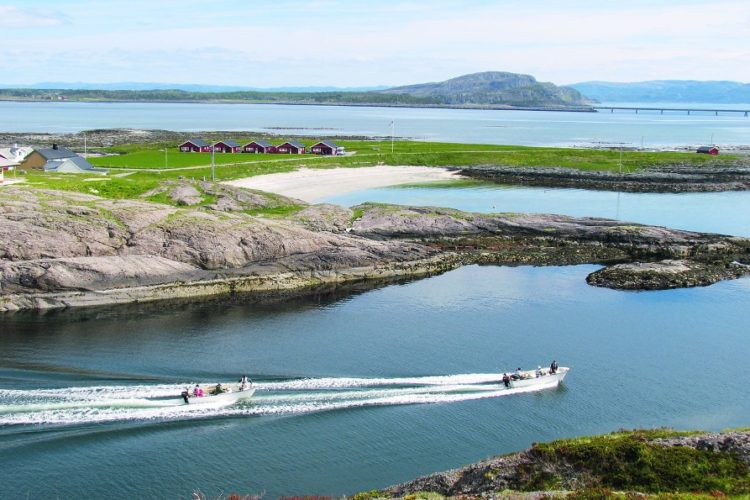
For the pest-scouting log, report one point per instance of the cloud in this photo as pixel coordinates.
(329, 42)
(13, 17)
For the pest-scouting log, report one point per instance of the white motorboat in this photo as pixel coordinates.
(226, 398)
(537, 378)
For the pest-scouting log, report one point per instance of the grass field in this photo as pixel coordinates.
(145, 166)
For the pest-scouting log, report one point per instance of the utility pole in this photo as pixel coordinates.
(85, 148)
(393, 128)
(165, 157)
(213, 171)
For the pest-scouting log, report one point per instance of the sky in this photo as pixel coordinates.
(355, 43)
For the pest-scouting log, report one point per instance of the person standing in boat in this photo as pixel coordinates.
(244, 383)
(506, 380)
(553, 367)
(186, 395)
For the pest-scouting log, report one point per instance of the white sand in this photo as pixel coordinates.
(311, 185)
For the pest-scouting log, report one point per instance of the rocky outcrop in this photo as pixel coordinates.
(572, 465)
(676, 178)
(665, 274)
(325, 217)
(60, 249)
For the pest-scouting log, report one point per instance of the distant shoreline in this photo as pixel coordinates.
(571, 109)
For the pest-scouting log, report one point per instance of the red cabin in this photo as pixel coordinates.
(291, 147)
(708, 150)
(227, 147)
(326, 148)
(258, 147)
(195, 146)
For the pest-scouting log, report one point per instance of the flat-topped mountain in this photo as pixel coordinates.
(492, 89)
(495, 88)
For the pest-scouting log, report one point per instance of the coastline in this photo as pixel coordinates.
(310, 185)
(85, 250)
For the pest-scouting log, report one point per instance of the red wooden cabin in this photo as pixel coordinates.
(326, 148)
(291, 147)
(195, 146)
(708, 150)
(258, 147)
(227, 147)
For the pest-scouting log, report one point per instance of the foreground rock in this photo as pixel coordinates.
(64, 249)
(677, 178)
(641, 461)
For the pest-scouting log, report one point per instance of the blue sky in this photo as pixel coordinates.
(361, 43)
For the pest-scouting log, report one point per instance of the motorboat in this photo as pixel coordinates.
(229, 397)
(541, 377)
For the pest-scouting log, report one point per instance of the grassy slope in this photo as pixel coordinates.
(141, 158)
(626, 461)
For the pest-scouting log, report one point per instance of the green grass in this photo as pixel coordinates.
(139, 158)
(277, 211)
(373, 152)
(627, 461)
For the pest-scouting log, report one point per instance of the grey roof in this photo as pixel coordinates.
(707, 148)
(230, 143)
(78, 161)
(197, 142)
(260, 142)
(330, 144)
(55, 154)
(295, 144)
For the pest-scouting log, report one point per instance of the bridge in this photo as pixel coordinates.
(661, 111)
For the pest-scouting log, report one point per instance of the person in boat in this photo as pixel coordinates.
(198, 391)
(506, 380)
(244, 383)
(186, 395)
(553, 367)
(539, 371)
(517, 375)
(218, 390)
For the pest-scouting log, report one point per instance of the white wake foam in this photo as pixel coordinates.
(95, 404)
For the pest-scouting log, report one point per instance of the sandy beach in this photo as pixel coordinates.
(311, 185)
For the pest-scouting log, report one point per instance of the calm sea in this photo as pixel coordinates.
(361, 390)
(625, 128)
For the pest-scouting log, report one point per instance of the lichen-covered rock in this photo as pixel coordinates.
(185, 195)
(325, 217)
(665, 274)
(45, 234)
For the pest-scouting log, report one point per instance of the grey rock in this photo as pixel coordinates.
(185, 195)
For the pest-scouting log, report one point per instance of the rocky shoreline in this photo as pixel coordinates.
(676, 178)
(65, 249)
(638, 462)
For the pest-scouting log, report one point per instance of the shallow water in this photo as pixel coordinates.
(343, 404)
(725, 213)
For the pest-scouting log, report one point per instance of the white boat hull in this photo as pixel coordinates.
(224, 399)
(547, 379)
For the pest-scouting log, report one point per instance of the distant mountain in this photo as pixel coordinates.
(495, 88)
(480, 90)
(187, 87)
(667, 91)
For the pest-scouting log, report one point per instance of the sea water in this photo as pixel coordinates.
(535, 128)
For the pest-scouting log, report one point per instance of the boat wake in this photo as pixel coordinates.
(95, 404)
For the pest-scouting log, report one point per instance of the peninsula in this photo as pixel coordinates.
(488, 90)
(146, 233)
